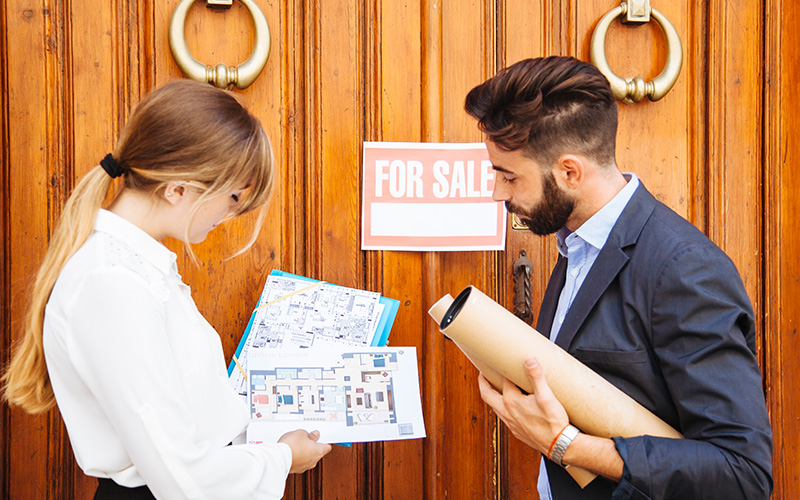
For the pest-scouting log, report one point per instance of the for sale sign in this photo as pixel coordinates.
(430, 196)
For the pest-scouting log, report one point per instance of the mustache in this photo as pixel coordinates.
(511, 208)
(546, 218)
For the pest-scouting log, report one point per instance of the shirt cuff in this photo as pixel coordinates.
(287, 455)
(625, 490)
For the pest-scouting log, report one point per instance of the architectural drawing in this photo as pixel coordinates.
(297, 313)
(349, 395)
(359, 391)
(321, 311)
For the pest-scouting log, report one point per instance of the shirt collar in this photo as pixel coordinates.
(131, 234)
(597, 228)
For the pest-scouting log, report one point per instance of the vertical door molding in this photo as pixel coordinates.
(393, 34)
(372, 38)
(469, 53)
(312, 230)
(5, 249)
(133, 74)
(734, 137)
(527, 29)
(432, 346)
(292, 149)
(335, 127)
(696, 66)
(37, 62)
(781, 297)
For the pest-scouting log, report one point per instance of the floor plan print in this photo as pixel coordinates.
(364, 394)
(360, 392)
(294, 312)
(310, 311)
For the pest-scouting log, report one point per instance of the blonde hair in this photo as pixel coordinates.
(184, 131)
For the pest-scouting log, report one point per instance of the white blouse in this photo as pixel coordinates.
(140, 379)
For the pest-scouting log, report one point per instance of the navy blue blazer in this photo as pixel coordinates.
(664, 316)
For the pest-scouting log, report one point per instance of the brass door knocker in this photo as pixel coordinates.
(630, 90)
(221, 76)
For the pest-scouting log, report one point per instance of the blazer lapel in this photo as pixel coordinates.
(609, 263)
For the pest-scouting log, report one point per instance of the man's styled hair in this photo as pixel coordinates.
(548, 107)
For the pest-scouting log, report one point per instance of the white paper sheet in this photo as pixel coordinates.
(354, 395)
(295, 313)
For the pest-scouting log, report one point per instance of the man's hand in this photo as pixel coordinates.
(534, 419)
(306, 452)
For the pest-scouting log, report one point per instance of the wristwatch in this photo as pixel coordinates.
(562, 442)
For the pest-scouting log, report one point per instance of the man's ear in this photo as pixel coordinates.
(173, 192)
(570, 169)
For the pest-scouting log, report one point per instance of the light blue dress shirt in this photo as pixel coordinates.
(581, 249)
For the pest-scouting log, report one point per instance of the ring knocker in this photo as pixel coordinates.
(221, 76)
(635, 89)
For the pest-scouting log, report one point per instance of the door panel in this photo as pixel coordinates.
(782, 244)
(718, 149)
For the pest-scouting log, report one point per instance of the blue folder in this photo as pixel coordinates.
(381, 334)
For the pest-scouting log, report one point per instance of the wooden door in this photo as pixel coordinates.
(718, 149)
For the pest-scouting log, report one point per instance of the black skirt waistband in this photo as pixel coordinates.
(107, 489)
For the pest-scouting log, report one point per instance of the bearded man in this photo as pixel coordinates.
(638, 294)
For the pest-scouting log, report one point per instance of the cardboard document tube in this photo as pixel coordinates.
(437, 312)
(501, 342)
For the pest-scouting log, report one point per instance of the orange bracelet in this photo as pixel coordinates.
(550, 450)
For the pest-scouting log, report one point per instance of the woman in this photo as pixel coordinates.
(113, 336)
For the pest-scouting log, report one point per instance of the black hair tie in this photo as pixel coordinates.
(111, 166)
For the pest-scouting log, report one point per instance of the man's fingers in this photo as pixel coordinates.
(537, 378)
(313, 435)
(489, 395)
(510, 388)
(487, 391)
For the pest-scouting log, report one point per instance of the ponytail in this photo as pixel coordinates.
(26, 382)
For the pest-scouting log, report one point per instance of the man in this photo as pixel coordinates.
(638, 294)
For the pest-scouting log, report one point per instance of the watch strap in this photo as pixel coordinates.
(563, 441)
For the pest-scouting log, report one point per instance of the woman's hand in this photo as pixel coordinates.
(306, 452)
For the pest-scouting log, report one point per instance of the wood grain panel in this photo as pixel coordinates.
(5, 248)
(134, 49)
(291, 153)
(734, 138)
(468, 58)
(781, 241)
(393, 49)
(94, 73)
(432, 354)
(34, 56)
(696, 67)
(337, 124)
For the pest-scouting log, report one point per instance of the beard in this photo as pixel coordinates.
(551, 213)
